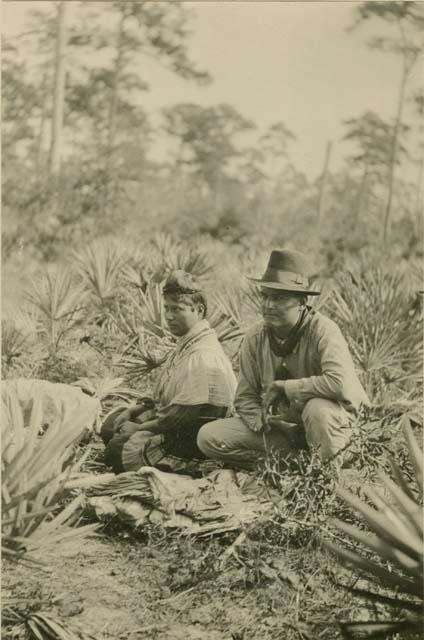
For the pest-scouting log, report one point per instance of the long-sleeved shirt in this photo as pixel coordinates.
(197, 385)
(320, 366)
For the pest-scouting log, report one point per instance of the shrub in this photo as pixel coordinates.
(35, 467)
(395, 557)
(370, 304)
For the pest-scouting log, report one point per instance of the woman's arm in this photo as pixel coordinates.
(150, 425)
(177, 415)
(130, 413)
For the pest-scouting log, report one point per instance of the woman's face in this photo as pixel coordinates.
(181, 315)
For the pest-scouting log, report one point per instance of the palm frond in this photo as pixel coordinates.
(371, 305)
(142, 313)
(174, 255)
(251, 294)
(33, 476)
(43, 625)
(152, 311)
(99, 387)
(59, 302)
(100, 265)
(396, 543)
(13, 341)
(383, 629)
(144, 360)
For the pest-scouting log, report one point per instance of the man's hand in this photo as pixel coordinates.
(275, 390)
(279, 422)
(288, 429)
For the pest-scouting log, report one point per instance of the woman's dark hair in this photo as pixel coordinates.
(200, 298)
(182, 285)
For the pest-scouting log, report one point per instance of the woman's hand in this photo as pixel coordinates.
(125, 416)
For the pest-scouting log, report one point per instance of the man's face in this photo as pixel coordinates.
(181, 315)
(280, 309)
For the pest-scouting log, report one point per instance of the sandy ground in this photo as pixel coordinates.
(127, 589)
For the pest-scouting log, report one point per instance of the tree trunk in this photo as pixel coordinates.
(418, 208)
(393, 154)
(323, 185)
(40, 163)
(59, 92)
(419, 189)
(361, 196)
(110, 186)
(408, 62)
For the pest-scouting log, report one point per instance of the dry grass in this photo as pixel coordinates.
(277, 572)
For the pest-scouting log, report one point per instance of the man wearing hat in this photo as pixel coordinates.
(298, 386)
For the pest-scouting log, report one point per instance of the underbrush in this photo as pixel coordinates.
(101, 326)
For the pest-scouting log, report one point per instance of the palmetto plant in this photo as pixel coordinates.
(19, 335)
(143, 359)
(174, 255)
(13, 342)
(152, 310)
(371, 307)
(40, 625)
(104, 388)
(415, 273)
(395, 547)
(139, 270)
(100, 266)
(227, 314)
(191, 260)
(141, 319)
(34, 475)
(60, 303)
(142, 312)
(230, 303)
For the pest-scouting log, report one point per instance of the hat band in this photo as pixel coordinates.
(284, 277)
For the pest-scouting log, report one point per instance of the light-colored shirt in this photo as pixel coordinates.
(197, 372)
(320, 366)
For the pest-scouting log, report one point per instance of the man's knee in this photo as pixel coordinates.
(229, 440)
(208, 439)
(321, 412)
(326, 425)
(317, 412)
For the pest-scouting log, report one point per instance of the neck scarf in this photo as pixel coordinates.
(283, 348)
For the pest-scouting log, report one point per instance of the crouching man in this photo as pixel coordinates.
(298, 386)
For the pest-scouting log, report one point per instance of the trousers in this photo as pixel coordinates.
(326, 425)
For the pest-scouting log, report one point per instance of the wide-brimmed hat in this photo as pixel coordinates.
(287, 271)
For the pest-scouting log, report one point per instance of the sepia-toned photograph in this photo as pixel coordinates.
(212, 320)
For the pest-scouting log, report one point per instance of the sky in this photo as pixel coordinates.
(273, 61)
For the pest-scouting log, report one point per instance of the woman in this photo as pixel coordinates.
(196, 385)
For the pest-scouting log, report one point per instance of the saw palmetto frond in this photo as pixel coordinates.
(60, 305)
(100, 266)
(34, 472)
(392, 555)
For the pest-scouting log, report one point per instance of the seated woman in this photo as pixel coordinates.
(196, 385)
